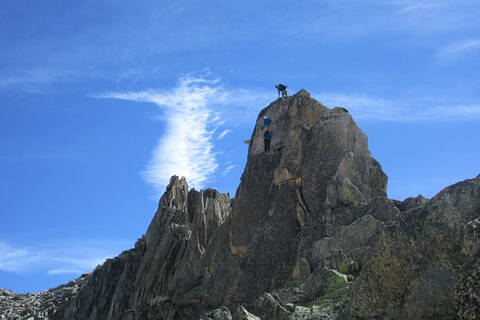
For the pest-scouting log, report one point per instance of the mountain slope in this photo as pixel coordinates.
(310, 234)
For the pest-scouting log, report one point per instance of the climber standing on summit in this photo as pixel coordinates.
(267, 134)
(282, 89)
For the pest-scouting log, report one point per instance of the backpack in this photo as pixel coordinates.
(282, 87)
(266, 122)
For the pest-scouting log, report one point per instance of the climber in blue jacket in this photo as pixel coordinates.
(266, 122)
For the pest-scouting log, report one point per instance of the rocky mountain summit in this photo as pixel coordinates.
(310, 234)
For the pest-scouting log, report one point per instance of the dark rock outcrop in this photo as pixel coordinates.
(310, 234)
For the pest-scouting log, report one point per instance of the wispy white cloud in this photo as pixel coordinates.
(55, 259)
(193, 110)
(64, 271)
(427, 8)
(37, 79)
(76, 265)
(459, 49)
(228, 169)
(415, 7)
(187, 148)
(223, 134)
(451, 113)
(87, 263)
(378, 109)
(16, 259)
(249, 98)
(419, 22)
(362, 106)
(434, 20)
(241, 106)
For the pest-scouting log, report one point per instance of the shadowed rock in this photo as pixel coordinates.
(157, 276)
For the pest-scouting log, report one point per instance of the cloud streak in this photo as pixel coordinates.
(74, 259)
(415, 7)
(64, 271)
(223, 134)
(378, 109)
(186, 149)
(228, 169)
(16, 259)
(193, 110)
(36, 80)
(418, 22)
(459, 48)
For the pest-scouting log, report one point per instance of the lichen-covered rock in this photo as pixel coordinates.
(347, 239)
(467, 288)
(222, 313)
(429, 296)
(267, 307)
(471, 234)
(384, 280)
(312, 313)
(243, 314)
(467, 291)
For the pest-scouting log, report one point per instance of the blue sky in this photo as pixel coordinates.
(101, 101)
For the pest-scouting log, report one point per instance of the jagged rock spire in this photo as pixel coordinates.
(319, 161)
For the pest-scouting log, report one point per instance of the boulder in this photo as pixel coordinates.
(222, 313)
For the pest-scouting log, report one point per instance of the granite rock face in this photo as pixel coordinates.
(155, 279)
(307, 187)
(310, 234)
